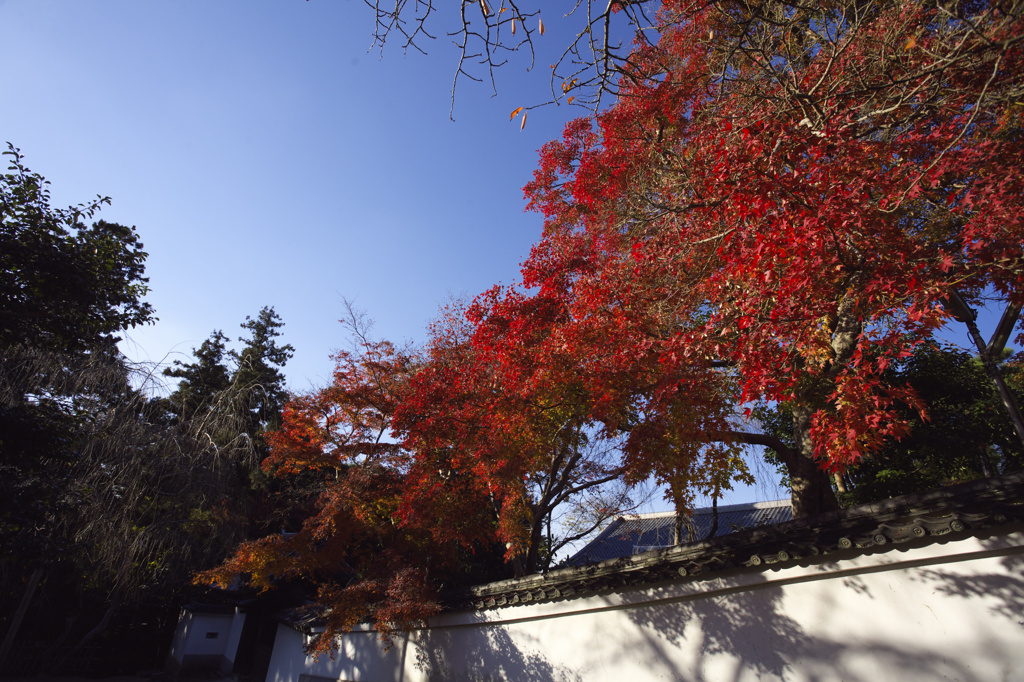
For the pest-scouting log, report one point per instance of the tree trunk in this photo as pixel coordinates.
(812, 490)
(714, 514)
(51, 651)
(115, 602)
(532, 563)
(1003, 330)
(811, 487)
(989, 352)
(26, 599)
(682, 519)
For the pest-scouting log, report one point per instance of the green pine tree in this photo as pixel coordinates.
(258, 374)
(201, 382)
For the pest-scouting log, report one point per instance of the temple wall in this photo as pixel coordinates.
(949, 610)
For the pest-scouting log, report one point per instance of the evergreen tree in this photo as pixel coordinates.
(244, 395)
(233, 397)
(258, 396)
(965, 435)
(258, 374)
(202, 381)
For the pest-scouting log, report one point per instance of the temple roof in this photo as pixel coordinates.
(992, 505)
(635, 533)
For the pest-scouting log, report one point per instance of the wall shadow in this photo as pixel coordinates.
(933, 617)
(752, 633)
(485, 654)
(360, 656)
(1003, 588)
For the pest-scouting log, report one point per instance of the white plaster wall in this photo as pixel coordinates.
(947, 611)
(197, 643)
(233, 637)
(181, 633)
(360, 656)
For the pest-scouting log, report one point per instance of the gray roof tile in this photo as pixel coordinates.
(636, 533)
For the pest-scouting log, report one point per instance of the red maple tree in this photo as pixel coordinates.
(490, 406)
(784, 198)
(367, 556)
(777, 206)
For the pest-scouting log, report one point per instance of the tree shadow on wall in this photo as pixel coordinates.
(485, 654)
(748, 634)
(361, 655)
(1003, 590)
(756, 631)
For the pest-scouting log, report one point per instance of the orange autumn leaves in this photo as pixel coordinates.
(708, 243)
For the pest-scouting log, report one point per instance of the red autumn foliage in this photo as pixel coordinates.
(491, 406)
(788, 192)
(775, 208)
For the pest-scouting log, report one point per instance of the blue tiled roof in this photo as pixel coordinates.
(638, 533)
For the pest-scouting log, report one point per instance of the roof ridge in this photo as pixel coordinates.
(744, 506)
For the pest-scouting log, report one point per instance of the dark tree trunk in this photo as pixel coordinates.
(990, 352)
(115, 603)
(19, 614)
(532, 564)
(714, 515)
(812, 489)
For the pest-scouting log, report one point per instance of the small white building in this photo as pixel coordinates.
(207, 638)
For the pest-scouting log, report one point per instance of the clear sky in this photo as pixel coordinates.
(267, 158)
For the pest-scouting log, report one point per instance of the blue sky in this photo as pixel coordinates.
(267, 158)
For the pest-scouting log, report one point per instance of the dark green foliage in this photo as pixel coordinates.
(116, 499)
(126, 508)
(33, 436)
(200, 382)
(106, 500)
(234, 397)
(244, 399)
(261, 391)
(65, 291)
(965, 435)
(64, 285)
(258, 370)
